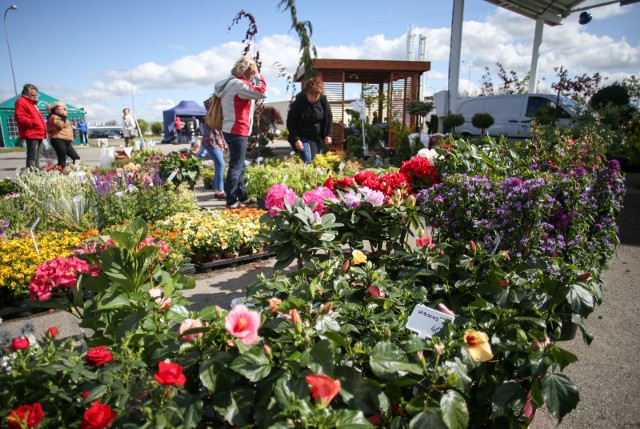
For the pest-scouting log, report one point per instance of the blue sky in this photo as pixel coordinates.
(92, 54)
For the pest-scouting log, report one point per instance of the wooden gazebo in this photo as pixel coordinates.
(395, 82)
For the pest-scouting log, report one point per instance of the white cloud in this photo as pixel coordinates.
(503, 37)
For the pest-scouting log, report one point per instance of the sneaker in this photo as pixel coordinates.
(249, 202)
(236, 205)
(220, 195)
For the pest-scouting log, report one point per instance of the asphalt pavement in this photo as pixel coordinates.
(607, 373)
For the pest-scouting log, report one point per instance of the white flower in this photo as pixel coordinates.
(430, 154)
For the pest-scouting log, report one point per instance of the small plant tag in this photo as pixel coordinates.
(33, 236)
(284, 179)
(426, 321)
(341, 166)
(18, 171)
(173, 174)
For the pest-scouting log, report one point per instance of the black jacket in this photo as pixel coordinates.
(310, 121)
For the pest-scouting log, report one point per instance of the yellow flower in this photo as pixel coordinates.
(479, 347)
(359, 257)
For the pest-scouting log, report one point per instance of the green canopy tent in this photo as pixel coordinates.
(9, 127)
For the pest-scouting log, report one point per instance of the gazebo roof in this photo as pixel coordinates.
(366, 71)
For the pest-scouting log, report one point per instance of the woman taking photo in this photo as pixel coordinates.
(237, 93)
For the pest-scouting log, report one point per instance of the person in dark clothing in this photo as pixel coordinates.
(310, 121)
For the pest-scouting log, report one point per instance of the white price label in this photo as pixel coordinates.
(426, 321)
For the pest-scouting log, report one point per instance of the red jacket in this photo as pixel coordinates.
(31, 125)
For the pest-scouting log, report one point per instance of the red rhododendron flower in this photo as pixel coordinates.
(323, 388)
(97, 416)
(317, 196)
(419, 172)
(25, 416)
(170, 374)
(277, 196)
(19, 343)
(243, 323)
(99, 355)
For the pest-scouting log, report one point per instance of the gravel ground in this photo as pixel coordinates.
(607, 374)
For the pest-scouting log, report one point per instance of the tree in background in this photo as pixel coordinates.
(483, 121)
(421, 109)
(157, 128)
(143, 125)
(580, 89)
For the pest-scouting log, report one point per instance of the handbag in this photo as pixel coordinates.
(214, 113)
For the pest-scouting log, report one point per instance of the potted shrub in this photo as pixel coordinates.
(483, 121)
(207, 178)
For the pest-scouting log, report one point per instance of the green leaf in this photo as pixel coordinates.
(507, 399)
(253, 364)
(428, 420)
(560, 395)
(289, 392)
(235, 404)
(211, 369)
(580, 299)
(454, 410)
(350, 419)
(322, 358)
(113, 299)
(385, 359)
(563, 357)
(458, 376)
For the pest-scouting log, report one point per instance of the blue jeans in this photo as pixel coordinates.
(310, 149)
(234, 183)
(218, 162)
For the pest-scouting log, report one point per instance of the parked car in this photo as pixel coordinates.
(512, 113)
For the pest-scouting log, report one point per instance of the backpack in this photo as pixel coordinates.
(214, 113)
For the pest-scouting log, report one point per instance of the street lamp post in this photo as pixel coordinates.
(6, 33)
(468, 76)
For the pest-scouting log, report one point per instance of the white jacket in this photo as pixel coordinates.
(238, 95)
(128, 126)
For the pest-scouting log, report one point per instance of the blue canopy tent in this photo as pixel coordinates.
(186, 110)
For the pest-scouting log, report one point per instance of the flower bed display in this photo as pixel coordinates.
(216, 234)
(342, 341)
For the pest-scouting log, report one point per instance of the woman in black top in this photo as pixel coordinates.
(309, 120)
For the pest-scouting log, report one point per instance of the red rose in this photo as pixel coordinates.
(52, 332)
(170, 373)
(98, 356)
(97, 416)
(29, 415)
(19, 343)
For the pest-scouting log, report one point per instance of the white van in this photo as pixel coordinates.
(512, 113)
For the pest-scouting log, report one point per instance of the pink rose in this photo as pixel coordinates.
(190, 324)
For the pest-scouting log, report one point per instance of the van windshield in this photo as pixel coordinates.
(569, 105)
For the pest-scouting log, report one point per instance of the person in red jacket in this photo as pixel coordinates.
(31, 125)
(238, 93)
